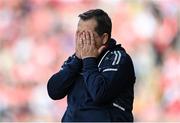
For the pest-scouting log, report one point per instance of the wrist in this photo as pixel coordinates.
(90, 56)
(78, 56)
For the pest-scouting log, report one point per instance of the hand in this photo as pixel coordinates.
(89, 49)
(78, 48)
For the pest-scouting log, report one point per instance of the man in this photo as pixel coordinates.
(99, 78)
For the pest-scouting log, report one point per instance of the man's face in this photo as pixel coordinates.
(90, 25)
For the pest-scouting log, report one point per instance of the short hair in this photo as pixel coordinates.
(104, 24)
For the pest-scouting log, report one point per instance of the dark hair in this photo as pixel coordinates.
(104, 24)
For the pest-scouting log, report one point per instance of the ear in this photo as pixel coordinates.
(105, 38)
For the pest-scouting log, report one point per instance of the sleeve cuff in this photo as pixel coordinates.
(76, 63)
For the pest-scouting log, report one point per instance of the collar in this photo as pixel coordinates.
(110, 45)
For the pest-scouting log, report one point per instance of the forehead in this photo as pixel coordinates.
(89, 24)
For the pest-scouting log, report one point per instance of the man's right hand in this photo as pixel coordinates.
(78, 45)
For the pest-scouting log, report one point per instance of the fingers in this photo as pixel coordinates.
(85, 38)
(81, 41)
(88, 40)
(77, 37)
(88, 37)
(92, 37)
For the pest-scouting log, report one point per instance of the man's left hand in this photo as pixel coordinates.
(89, 48)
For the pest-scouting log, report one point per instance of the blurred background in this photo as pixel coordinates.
(36, 36)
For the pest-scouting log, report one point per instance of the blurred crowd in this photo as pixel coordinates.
(36, 36)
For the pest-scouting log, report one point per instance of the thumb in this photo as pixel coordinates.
(101, 49)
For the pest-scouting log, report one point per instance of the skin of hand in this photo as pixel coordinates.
(86, 34)
(88, 47)
(78, 48)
